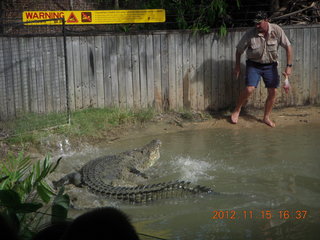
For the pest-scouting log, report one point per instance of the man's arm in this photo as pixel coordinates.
(288, 70)
(237, 67)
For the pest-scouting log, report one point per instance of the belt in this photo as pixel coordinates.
(260, 64)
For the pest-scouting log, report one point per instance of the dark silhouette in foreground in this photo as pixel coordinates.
(101, 223)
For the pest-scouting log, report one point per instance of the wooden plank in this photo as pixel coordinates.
(299, 62)
(229, 68)
(98, 76)
(8, 72)
(199, 72)
(143, 71)
(172, 72)
(114, 71)
(307, 65)
(149, 72)
(24, 74)
(135, 71)
(178, 72)
(222, 71)
(62, 75)
(106, 58)
(84, 65)
(52, 74)
(314, 77)
(215, 72)
(77, 72)
(71, 77)
(193, 74)
(16, 75)
(121, 72)
(32, 77)
(164, 72)
(295, 76)
(47, 74)
(39, 48)
(3, 94)
(56, 74)
(289, 97)
(93, 96)
(318, 69)
(207, 63)
(128, 71)
(157, 72)
(186, 70)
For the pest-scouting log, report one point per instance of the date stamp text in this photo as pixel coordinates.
(262, 214)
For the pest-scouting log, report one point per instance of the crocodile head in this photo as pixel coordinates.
(146, 156)
(153, 154)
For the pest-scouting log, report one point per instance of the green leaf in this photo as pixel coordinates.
(59, 213)
(9, 198)
(44, 193)
(62, 199)
(60, 207)
(56, 165)
(28, 207)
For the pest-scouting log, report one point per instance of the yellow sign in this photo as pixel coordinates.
(95, 17)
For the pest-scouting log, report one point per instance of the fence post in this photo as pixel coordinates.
(66, 68)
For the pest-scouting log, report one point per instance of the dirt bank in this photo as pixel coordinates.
(251, 118)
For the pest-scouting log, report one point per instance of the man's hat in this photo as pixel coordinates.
(261, 15)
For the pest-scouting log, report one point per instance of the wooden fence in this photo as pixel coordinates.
(164, 70)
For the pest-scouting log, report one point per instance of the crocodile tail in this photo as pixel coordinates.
(148, 193)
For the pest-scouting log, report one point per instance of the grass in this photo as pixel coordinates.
(92, 122)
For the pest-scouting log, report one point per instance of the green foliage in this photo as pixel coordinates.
(200, 16)
(24, 191)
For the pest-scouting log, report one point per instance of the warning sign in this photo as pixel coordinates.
(96, 17)
(86, 17)
(72, 18)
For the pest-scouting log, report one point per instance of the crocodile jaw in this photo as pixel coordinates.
(152, 151)
(153, 157)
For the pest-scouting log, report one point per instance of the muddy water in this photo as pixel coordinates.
(269, 180)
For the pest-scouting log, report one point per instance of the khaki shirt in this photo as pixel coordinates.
(263, 50)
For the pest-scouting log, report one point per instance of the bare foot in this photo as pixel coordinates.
(269, 122)
(234, 117)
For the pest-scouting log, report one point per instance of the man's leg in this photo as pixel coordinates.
(268, 107)
(241, 101)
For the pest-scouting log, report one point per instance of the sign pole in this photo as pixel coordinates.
(66, 69)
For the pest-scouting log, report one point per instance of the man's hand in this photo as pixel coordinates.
(288, 71)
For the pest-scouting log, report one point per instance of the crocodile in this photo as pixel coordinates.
(118, 176)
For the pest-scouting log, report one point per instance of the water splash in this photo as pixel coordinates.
(191, 169)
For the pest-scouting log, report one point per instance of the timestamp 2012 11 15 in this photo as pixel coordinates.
(259, 214)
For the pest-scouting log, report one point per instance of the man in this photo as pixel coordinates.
(261, 44)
